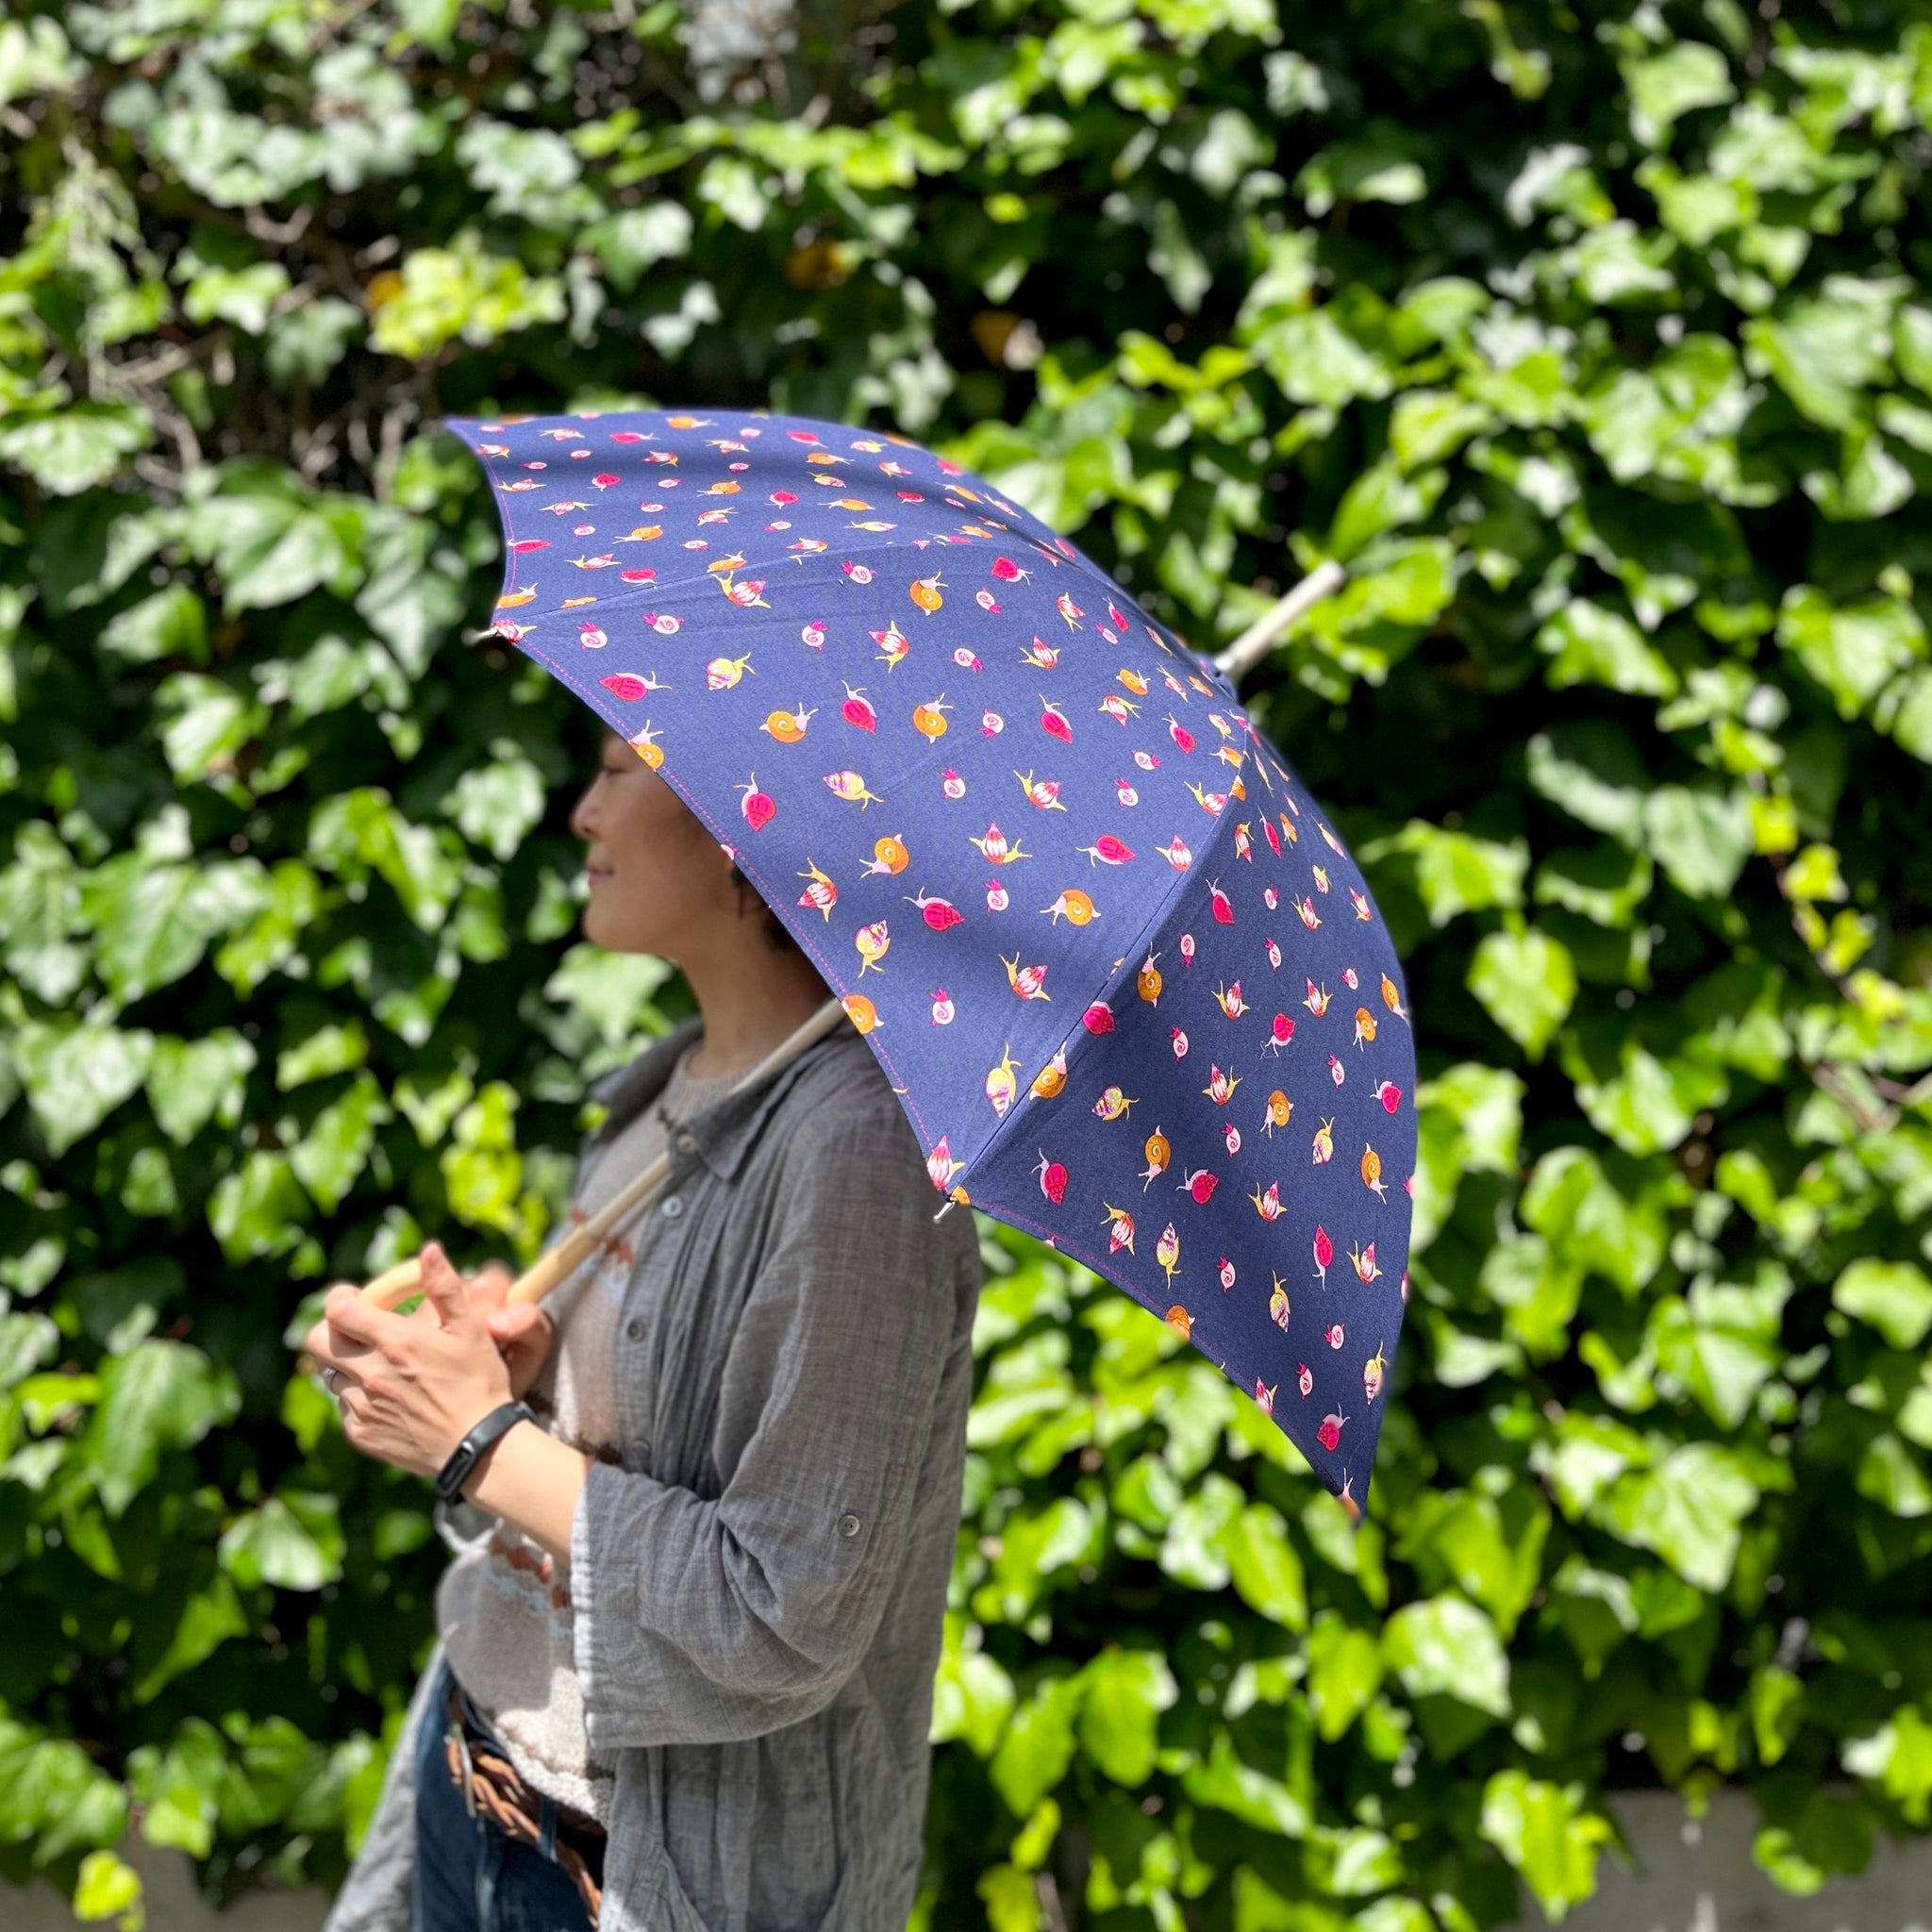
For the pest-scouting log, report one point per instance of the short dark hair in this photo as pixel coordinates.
(778, 934)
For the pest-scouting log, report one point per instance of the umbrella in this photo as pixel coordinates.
(1125, 977)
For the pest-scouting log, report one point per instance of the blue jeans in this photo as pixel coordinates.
(469, 1877)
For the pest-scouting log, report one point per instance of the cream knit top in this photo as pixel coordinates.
(503, 1604)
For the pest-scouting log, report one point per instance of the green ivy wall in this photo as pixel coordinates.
(1590, 337)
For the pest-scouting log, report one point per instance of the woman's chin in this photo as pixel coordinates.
(613, 934)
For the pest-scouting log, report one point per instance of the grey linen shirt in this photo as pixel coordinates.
(761, 1580)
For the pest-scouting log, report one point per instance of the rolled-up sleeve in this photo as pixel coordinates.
(702, 1621)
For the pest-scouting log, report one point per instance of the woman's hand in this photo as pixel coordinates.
(523, 1332)
(411, 1388)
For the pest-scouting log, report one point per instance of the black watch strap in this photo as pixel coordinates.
(469, 1450)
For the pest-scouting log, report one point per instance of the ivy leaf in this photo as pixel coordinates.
(1648, 1103)
(1469, 1120)
(1266, 1571)
(109, 1887)
(972, 1695)
(1588, 645)
(1891, 1477)
(40, 907)
(171, 624)
(495, 805)
(610, 993)
(311, 339)
(330, 1157)
(1599, 883)
(1126, 1693)
(1382, 165)
(179, 1787)
(1193, 1551)
(1852, 650)
(635, 239)
(1689, 1509)
(293, 1542)
(1823, 354)
(153, 922)
(1228, 1783)
(1010, 1896)
(26, 1342)
(1344, 1674)
(525, 170)
(75, 448)
(361, 831)
(77, 1076)
(1314, 360)
(441, 293)
(1544, 1832)
(192, 1081)
(1893, 1297)
(1038, 1748)
(1455, 872)
(161, 1395)
(243, 296)
(336, 1047)
(257, 1210)
(1593, 771)
(1898, 1756)
(1721, 1368)
(294, 900)
(1526, 982)
(207, 1620)
(1444, 1646)
(1380, 499)
(1491, 1553)
(208, 721)
(1700, 837)
(270, 543)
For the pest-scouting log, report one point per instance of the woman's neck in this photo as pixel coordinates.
(752, 998)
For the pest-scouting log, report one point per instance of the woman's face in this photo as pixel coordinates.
(659, 882)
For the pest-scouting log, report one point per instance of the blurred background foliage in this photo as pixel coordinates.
(1590, 337)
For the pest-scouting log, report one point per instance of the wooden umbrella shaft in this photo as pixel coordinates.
(1256, 641)
(557, 1264)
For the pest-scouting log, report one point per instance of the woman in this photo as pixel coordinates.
(688, 1640)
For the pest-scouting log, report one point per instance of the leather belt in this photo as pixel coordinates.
(492, 1790)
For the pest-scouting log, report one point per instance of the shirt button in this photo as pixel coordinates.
(848, 1525)
(671, 1208)
(634, 1330)
(687, 1143)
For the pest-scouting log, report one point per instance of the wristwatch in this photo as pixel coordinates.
(469, 1451)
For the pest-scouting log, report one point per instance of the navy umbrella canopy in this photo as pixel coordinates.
(1125, 977)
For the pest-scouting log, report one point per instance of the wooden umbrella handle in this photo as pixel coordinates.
(394, 1284)
(558, 1264)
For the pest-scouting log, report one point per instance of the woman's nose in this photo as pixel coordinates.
(583, 817)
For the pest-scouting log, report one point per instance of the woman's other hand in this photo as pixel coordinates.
(522, 1331)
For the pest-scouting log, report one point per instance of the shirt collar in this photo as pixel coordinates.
(726, 1130)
